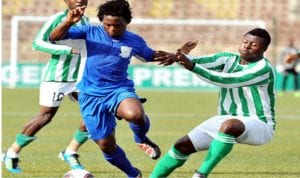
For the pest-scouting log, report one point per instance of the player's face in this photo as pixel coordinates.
(115, 26)
(252, 48)
(72, 4)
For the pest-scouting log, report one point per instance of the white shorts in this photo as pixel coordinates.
(52, 93)
(256, 132)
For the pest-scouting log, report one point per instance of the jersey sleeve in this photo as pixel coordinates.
(143, 51)
(41, 41)
(214, 62)
(253, 75)
(77, 32)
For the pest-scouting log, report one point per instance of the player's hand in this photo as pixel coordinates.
(187, 47)
(74, 51)
(184, 61)
(290, 58)
(75, 15)
(165, 58)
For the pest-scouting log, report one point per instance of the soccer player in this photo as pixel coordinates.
(58, 80)
(105, 89)
(246, 104)
(289, 67)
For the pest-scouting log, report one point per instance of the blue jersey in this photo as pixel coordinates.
(108, 58)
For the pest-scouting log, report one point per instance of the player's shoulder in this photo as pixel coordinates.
(57, 17)
(85, 19)
(268, 63)
(133, 36)
(226, 54)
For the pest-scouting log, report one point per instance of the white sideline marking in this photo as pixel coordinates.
(156, 115)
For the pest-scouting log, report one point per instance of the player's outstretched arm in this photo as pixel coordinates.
(187, 47)
(184, 61)
(290, 58)
(73, 17)
(164, 58)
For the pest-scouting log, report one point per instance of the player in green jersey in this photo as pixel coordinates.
(246, 103)
(59, 80)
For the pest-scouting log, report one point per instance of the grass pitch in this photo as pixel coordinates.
(172, 114)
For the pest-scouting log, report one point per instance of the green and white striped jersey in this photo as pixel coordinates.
(246, 90)
(62, 65)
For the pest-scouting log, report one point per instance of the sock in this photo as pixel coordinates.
(68, 151)
(167, 164)
(140, 131)
(11, 154)
(23, 140)
(119, 159)
(218, 149)
(81, 136)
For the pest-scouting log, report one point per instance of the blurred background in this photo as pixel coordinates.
(165, 24)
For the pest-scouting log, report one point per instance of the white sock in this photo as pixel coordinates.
(70, 152)
(11, 154)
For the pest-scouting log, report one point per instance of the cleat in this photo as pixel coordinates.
(150, 149)
(11, 164)
(139, 173)
(71, 159)
(199, 175)
(143, 100)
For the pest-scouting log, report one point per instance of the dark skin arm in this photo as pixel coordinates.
(292, 58)
(73, 17)
(184, 61)
(169, 58)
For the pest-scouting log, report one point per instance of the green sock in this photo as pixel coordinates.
(23, 140)
(81, 136)
(172, 160)
(218, 149)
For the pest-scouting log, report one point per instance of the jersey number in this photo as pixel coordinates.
(58, 96)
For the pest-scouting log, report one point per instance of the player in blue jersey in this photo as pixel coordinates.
(105, 89)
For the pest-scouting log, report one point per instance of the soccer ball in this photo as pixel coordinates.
(78, 173)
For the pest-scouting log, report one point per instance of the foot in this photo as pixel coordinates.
(150, 148)
(198, 175)
(71, 159)
(143, 100)
(11, 164)
(139, 173)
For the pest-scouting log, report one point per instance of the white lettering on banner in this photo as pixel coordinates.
(30, 74)
(5, 74)
(140, 75)
(182, 78)
(162, 77)
(196, 81)
(166, 77)
(143, 76)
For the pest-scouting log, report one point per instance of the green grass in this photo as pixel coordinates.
(172, 114)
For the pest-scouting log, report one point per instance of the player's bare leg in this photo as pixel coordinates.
(116, 156)
(11, 157)
(132, 111)
(70, 155)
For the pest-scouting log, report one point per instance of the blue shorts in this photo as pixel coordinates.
(99, 112)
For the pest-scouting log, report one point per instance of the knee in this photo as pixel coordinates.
(184, 145)
(232, 127)
(135, 116)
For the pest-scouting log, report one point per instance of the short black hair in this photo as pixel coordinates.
(120, 8)
(262, 33)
